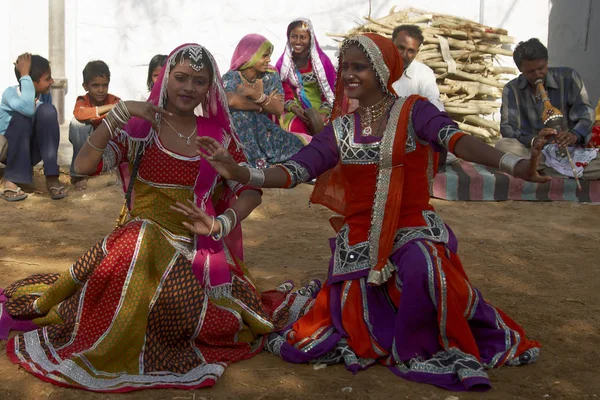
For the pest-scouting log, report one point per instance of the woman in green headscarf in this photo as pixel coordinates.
(255, 97)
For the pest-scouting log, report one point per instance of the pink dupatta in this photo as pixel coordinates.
(210, 263)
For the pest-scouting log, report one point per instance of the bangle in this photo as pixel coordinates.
(226, 226)
(94, 147)
(235, 217)
(508, 162)
(109, 125)
(212, 227)
(257, 177)
(261, 99)
(532, 141)
(218, 236)
(289, 105)
(117, 117)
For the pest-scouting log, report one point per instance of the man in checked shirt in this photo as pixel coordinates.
(521, 124)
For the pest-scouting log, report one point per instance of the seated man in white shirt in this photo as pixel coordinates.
(417, 78)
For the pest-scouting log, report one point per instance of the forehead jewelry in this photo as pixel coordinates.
(194, 54)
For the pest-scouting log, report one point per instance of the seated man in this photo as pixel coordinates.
(521, 122)
(30, 127)
(417, 78)
(89, 111)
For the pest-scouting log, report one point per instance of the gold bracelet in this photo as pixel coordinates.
(94, 147)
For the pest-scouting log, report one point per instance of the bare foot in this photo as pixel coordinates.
(80, 183)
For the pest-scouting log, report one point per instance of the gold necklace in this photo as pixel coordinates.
(251, 82)
(188, 138)
(371, 115)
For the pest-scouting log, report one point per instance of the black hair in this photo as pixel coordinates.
(293, 26)
(94, 69)
(529, 50)
(157, 61)
(39, 66)
(411, 30)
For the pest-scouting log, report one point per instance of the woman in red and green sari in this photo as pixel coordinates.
(153, 305)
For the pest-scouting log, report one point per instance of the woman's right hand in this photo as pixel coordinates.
(220, 159)
(300, 113)
(200, 222)
(147, 111)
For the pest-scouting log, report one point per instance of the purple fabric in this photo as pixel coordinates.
(416, 325)
(428, 121)
(322, 153)
(8, 323)
(413, 336)
(480, 326)
(291, 354)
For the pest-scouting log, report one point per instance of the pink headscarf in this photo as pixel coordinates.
(250, 48)
(209, 265)
(215, 105)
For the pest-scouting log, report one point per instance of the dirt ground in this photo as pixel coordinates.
(536, 261)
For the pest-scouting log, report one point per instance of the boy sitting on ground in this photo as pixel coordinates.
(30, 127)
(89, 111)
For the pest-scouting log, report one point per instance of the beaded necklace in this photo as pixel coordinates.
(372, 115)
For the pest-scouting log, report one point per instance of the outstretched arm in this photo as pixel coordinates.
(320, 155)
(442, 133)
(471, 149)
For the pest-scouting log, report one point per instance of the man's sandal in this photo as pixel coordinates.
(56, 193)
(17, 196)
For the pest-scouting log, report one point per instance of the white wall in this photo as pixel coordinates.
(572, 41)
(127, 33)
(21, 29)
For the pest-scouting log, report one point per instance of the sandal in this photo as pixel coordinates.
(17, 196)
(56, 193)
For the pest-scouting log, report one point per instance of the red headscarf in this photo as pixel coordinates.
(384, 58)
(330, 190)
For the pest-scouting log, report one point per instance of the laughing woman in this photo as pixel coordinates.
(396, 293)
(255, 97)
(308, 78)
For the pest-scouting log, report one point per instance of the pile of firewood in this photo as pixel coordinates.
(465, 57)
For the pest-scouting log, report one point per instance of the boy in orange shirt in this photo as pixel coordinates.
(89, 111)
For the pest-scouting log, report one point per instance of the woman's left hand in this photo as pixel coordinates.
(527, 170)
(200, 222)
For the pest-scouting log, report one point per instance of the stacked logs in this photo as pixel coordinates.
(465, 57)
